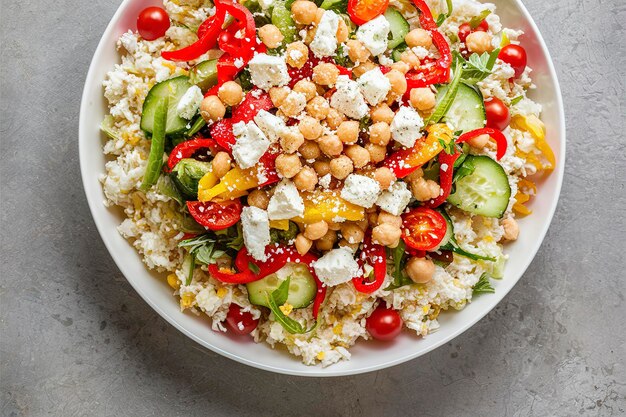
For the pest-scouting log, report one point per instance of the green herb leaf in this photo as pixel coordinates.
(339, 6)
(477, 67)
(446, 101)
(190, 263)
(341, 57)
(516, 100)
(166, 186)
(476, 20)
(277, 298)
(466, 168)
(198, 124)
(443, 16)
(483, 286)
(281, 293)
(400, 278)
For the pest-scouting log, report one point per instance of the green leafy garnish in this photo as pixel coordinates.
(189, 262)
(198, 124)
(284, 236)
(443, 16)
(483, 286)
(448, 147)
(400, 278)
(476, 20)
(341, 57)
(245, 79)
(279, 297)
(209, 247)
(477, 67)
(464, 169)
(516, 100)
(339, 6)
(166, 186)
(446, 101)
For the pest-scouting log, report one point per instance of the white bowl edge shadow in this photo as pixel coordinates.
(366, 356)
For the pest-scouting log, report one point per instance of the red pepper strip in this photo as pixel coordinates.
(344, 71)
(227, 70)
(297, 74)
(426, 17)
(188, 148)
(376, 256)
(222, 132)
(497, 135)
(207, 39)
(268, 162)
(445, 177)
(231, 277)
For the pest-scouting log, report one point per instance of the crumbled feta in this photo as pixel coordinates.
(286, 202)
(325, 41)
(250, 146)
(268, 71)
(406, 125)
(374, 35)
(190, 102)
(420, 52)
(374, 86)
(296, 101)
(324, 181)
(266, 4)
(395, 199)
(256, 231)
(272, 126)
(360, 190)
(348, 98)
(336, 267)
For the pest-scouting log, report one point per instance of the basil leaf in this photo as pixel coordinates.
(476, 20)
(483, 286)
(400, 279)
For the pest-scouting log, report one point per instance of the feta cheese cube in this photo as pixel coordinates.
(250, 146)
(336, 267)
(272, 126)
(190, 102)
(256, 231)
(268, 71)
(360, 190)
(395, 199)
(286, 202)
(374, 86)
(406, 125)
(348, 98)
(374, 35)
(325, 41)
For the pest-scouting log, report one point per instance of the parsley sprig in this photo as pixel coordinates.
(483, 286)
(477, 67)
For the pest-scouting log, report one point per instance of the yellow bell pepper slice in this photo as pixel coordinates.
(234, 184)
(327, 205)
(537, 129)
(280, 224)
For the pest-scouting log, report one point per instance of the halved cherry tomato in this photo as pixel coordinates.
(240, 322)
(483, 26)
(214, 215)
(515, 56)
(362, 11)
(464, 30)
(152, 23)
(498, 116)
(384, 324)
(423, 228)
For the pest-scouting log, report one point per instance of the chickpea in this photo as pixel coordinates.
(342, 31)
(401, 66)
(288, 165)
(420, 270)
(352, 233)
(230, 93)
(377, 152)
(357, 52)
(386, 234)
(221, 164)
(303, 244)
(479, 141)
(415, 175)
(318, 107)
(258, 198)
(409, 58)
(303, 11)
(341, 167)
(331, 145)
(419, 37)
(291, 139)
(307, 88)
(334, 226)
(270, 35)
(363, 68)
(278, 95)
(325, 73)
(479, 42)
(382, 113)
(363, 224)
(334, 118)
(372, 217)
(359, 155)
(384, 177)
(321, 167)
(318, 16)
(388, 218)
(380, 133)
(212, 109)
(326, 242)
(398, 84)
(293, 104)
(343, 243)
(306, 179)
(348, 131)
(297, 54)
(511, 229)
(423, 98)
(424, 190)
(310, 127)
(316, 230)
(310, 35)
(309, 150)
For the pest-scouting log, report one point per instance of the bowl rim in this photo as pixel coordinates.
(313, 371)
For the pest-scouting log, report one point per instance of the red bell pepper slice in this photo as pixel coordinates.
(496, 134)
(188, 148)
(232, 277)
(376, 256)
(446, 173)
(268, 163)
(207, 38)
(222, 132)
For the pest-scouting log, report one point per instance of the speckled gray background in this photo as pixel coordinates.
(76, 340)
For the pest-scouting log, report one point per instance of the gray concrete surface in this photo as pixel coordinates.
(76, 340)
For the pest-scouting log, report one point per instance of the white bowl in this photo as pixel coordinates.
(366, 356)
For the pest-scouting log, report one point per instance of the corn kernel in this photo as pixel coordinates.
(338, 329)
(426, 309)
(186, 300)
(286, 309)
(221, 292)
(321, 355)
(173, 281)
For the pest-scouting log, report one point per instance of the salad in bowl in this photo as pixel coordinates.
(308, 174)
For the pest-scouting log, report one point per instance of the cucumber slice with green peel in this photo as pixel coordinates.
(204, 75)
(302, 287)
(449, 230)
(281, 18)
(396, 54)
(174, 88)
(486, 191)
(467, 111)
(399, 27)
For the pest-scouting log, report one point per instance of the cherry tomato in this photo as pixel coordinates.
(362, 11)
(152, 23)
(464, 30)
(423, 228)
(213, 215)
(498, 116)
(384, 324)
(482, 27)
(240, 322)
(515, 56)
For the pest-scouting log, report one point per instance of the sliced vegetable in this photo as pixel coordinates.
(187, 174)
(172, 89)
(277, 299)
(157, 144)
(240, 322)
(187, 149)
(362, 11)
(281, 18)
(495, 134)
(326, 205)
(152, 23)
(466, 112)
(166, 187)
(302, 286)
(398, 25)
(446, 175)
(423, 228)
(204, 75)
(375, 257)
(215, 216)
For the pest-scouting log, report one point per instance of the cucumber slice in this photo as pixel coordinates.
(174, 88)
(485, 191)
(396, 54)
(449, 230)
(204, 75)
(398, 25)
(302, 287)
(467, 111)
(281, 18)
